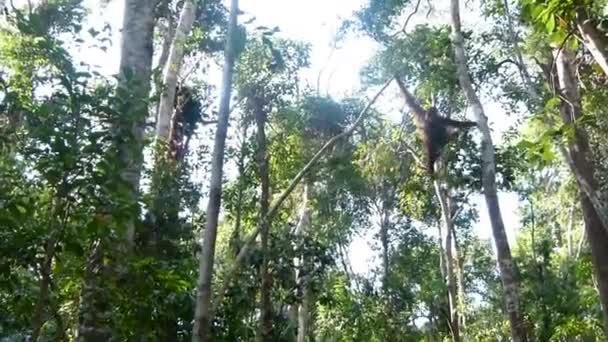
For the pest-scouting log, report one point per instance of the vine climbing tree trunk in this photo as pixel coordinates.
(203, 314)
(505, 260)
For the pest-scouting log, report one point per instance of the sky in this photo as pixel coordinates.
(316, 22)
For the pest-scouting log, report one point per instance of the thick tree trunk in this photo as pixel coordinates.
(134, 88)
(203, 311)
(449, 261)
(171, 70)
(135, 59)
(578, 155)
(264, 332)
(505, 260)
(595, 40)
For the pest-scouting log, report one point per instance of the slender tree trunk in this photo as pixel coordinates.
(172, 68)
(134, 89)
(302, 275)
(578, 155)
(459, 265)
(449, 262)
(595, 40)
(570, 231)
(581, 242)
(384, 223)
(163, 58)
(505, 260)
(203, 312)
(264, 332)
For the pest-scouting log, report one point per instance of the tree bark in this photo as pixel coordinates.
(595, 40)
(578, 155)
(171, 70)
(265, 328)
(505, 260)
(203, 315)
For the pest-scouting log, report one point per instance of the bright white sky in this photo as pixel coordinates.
(316, 22)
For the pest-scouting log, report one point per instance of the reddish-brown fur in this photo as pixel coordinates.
(434, 130)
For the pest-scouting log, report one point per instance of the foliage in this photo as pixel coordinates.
(62, 193)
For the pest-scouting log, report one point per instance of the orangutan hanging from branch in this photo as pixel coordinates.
(434, 130)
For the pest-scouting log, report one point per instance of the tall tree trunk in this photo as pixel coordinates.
(578, 155)
(449, 261)
(203, 312)
(264, 332)
(303, 274)
(595, 39)
(136, 59)
(134, 89)
(505, 260)
(171, 70)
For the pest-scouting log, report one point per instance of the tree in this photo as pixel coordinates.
(133, 91)
(505, 260)
(203, 314)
